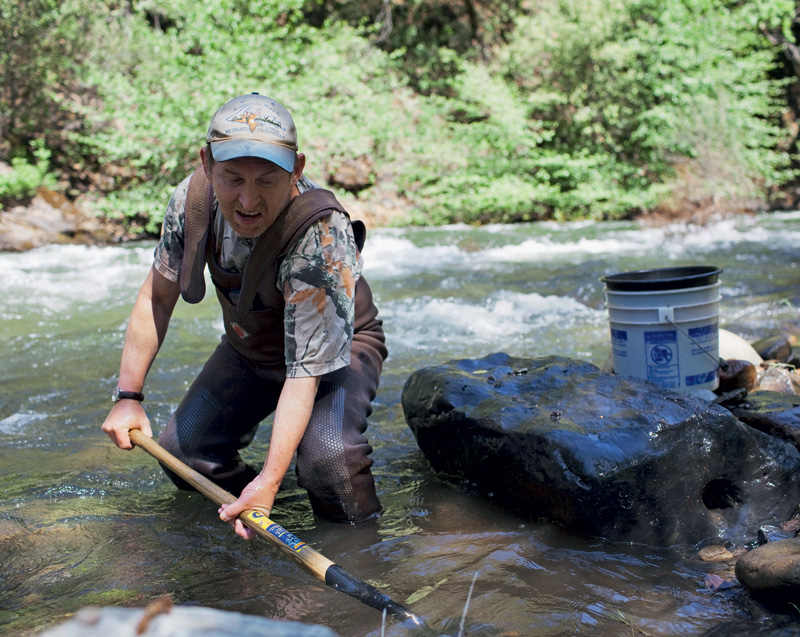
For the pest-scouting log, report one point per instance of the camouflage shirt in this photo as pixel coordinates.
(318, 320)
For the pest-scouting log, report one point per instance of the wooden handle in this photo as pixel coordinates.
(316, 563)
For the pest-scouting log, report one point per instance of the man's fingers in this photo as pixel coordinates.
(226, 515)
(123, 440)
(226, 512)
(242, 531)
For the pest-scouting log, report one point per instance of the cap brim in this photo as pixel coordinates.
(235, 148)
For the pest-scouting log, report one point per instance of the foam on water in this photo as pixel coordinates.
(58, 278)
(430, 322)
(16, 423)
(387, 254)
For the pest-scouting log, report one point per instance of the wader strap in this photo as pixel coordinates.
(197, 224)
(359, 233)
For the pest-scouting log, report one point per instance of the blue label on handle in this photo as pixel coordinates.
(265, 524)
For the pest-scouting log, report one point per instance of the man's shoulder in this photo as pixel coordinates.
(305, 184)
(177, 202)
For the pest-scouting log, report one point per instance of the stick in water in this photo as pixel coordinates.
(315, 563)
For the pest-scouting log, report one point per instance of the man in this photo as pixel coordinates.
(302, 338)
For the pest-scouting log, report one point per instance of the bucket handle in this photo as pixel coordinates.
(666, 315)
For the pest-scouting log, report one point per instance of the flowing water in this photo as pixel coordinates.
(83, 523)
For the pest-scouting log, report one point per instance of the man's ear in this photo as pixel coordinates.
(206, 162)
(299, 167)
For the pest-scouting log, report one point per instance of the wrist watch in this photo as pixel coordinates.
(126, 395)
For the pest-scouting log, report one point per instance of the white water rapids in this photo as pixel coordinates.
(82, 523)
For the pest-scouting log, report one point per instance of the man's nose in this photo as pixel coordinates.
(249, 197)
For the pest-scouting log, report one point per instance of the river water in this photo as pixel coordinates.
(83, 523)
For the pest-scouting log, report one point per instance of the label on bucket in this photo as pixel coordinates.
(701, 379)
(703, 339)
(661, 350)
(619, 343)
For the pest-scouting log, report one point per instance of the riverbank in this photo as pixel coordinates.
(51, 218)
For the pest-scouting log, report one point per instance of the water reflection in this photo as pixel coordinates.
(82, 522)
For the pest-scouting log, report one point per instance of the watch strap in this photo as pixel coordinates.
(120, 394)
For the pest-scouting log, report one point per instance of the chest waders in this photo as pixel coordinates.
(240, 383)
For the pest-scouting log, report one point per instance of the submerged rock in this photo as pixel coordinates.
(775, 413)
(718, 553)
(178, 621)
(607, 456)
(737, 374)
(775, 347)
(772, 569)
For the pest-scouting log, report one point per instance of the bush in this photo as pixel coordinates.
(22, 181)
(652, 84)
(42, 44)
(579, 110)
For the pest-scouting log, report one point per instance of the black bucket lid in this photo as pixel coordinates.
(691, 276)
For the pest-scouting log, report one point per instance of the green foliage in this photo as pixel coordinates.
(174, 64)
(651, 84)
(431, 38)
(23, 179)
(474, 111)
(41, 47)
(591, 106)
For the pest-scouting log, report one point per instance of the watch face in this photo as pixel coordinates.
(115, 395)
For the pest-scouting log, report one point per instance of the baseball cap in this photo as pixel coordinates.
(253, 126)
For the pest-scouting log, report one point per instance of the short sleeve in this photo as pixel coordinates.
(318, 278)
(169, 250)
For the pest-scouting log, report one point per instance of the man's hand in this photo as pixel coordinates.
(124, 416)
(257, 495)
(291, 419)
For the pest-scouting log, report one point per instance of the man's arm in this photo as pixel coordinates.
(291, 419)
(147, 328)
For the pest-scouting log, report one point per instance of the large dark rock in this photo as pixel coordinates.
(603, 455)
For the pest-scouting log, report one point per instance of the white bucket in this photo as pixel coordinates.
(665, 325)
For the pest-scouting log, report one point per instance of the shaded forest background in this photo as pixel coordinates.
(415, 112)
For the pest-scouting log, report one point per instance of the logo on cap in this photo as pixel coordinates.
(253, 119)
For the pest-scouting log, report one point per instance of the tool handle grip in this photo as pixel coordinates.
(316, 563)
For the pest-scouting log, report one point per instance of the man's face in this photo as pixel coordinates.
(252, 191)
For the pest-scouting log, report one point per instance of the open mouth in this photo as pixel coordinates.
(248, 216)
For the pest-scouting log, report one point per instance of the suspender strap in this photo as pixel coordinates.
(197, 226)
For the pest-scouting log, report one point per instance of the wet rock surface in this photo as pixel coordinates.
(737, 374)
(776, 347)
(607, 456)
(177, 621)
(51, 218)
(775, 413)
(772, 569)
